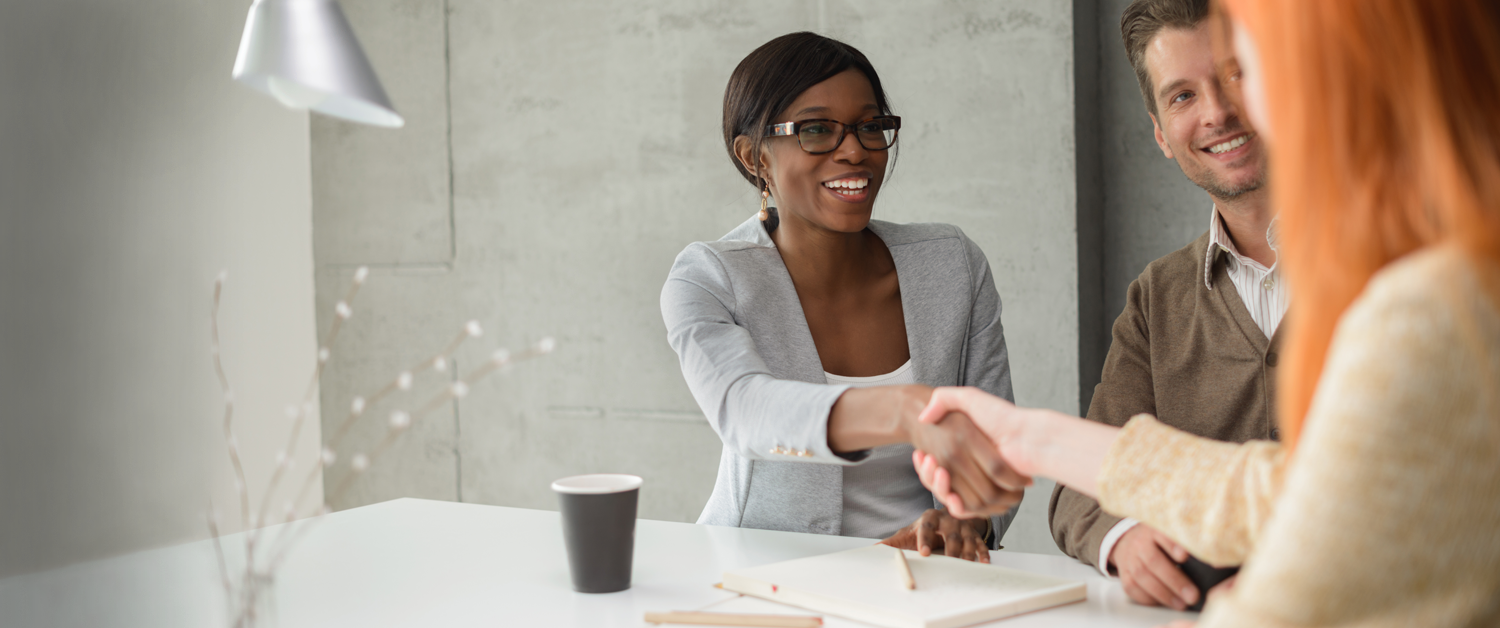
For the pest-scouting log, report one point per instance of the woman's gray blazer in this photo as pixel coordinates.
(734, 319)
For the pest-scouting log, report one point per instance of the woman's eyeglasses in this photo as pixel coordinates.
(823, 136)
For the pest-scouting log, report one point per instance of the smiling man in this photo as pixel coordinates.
(1197, 343)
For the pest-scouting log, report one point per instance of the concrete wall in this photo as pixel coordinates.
(559, 155)
(131, 171)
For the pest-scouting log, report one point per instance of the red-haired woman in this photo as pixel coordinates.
(1382, 507)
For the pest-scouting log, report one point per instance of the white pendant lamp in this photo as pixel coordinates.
(304, 54)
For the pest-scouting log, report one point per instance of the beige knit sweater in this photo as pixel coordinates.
(1388, 513)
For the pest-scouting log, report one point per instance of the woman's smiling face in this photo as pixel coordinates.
(834, 190)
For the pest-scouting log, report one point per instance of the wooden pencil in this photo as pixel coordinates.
(734, 619)
(904, 570)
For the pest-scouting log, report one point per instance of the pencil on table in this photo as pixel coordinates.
(907, 581)
(734, 619)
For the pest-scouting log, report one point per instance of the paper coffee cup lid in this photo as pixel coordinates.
(597, 483)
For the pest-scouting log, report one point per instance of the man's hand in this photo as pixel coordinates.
(1147, 562)
(936, 530)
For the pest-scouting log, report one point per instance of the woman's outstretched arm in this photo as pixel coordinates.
(1212, 497)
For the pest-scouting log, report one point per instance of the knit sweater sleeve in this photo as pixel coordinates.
(1210, 496)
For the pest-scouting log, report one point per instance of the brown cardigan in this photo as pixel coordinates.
(1189, 355)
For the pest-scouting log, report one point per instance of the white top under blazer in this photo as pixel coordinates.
(884, 493)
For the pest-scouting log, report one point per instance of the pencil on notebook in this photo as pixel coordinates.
(734, 619)
(904, 570)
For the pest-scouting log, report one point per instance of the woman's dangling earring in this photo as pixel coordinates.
(765, 198)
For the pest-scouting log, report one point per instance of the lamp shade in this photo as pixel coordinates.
(304, 54)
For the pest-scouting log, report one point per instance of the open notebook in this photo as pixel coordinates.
(865, 585)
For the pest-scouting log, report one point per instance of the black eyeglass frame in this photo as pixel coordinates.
(794, 128)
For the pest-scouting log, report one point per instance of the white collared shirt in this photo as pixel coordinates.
(1265, 295)
(1261, 289)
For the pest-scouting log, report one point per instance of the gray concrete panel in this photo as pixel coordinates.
(382, 195)
(401, 318)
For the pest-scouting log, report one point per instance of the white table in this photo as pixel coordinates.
(413, 562)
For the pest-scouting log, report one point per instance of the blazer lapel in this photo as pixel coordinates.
(935, 305)
(795, 356)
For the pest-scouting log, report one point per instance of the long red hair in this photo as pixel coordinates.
(1386, 123)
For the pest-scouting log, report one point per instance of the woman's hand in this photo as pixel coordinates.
(1030, 442)
(937, 480)
(975, 470)
(864, 418)
(1000, 420)
(936, 530)
(996, 421)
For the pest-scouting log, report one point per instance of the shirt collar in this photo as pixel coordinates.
(1219, 240)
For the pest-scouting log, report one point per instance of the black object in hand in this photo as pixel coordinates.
(1205, 576)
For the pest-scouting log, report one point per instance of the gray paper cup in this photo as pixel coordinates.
(598, 519)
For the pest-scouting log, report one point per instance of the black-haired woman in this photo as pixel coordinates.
(812, 335)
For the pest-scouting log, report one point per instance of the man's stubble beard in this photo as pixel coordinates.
(1210, 182)
(1218, 189)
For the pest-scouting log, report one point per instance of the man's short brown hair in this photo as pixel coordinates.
(1143, 20)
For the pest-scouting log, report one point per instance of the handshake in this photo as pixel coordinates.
(974, 450)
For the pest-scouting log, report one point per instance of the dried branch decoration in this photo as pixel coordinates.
(249, 599)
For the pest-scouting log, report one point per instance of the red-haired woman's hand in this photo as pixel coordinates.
(975, 471)
(937, 480)
(1000, 420)
(996, 420)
